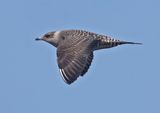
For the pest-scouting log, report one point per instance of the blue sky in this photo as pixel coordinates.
(124, 79)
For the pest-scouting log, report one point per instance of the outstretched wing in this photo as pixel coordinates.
(73, 63)
(74, 56)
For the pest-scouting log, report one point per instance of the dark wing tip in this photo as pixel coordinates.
(66, 78)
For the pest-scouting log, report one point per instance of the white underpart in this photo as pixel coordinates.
(63, 74)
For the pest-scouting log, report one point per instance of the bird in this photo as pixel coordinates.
(75, 50)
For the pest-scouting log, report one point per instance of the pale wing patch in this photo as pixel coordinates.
(63, 75)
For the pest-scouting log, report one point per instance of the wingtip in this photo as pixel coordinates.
(65, 78)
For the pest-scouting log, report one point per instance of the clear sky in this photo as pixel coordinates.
(124, 79)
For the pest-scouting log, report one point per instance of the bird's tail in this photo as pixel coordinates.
(108, 42)
(125, 42)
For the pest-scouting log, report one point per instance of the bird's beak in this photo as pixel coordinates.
(38, 39)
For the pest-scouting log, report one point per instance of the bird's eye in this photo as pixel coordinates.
(47, 36)
(63, 38)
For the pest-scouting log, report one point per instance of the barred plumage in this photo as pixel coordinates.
(75, 50)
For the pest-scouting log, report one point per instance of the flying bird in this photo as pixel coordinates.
(75, 50)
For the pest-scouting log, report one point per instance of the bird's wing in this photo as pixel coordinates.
(73, 62)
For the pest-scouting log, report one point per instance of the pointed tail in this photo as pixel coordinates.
(125, 42)
(108, 42)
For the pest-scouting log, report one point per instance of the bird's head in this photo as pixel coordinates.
(50, 37)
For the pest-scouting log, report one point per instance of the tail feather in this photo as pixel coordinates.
(125, 42)
(108, 42)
